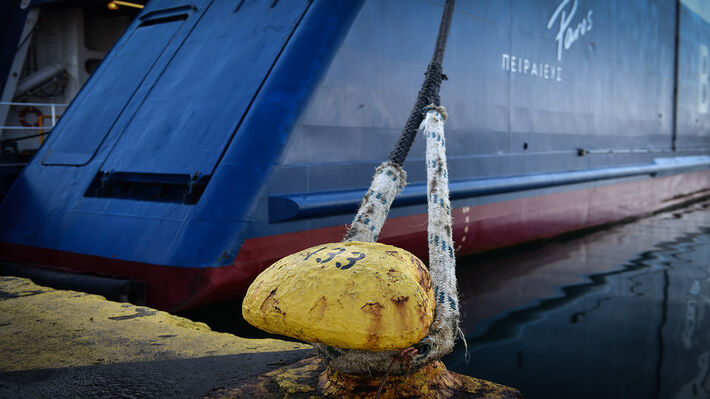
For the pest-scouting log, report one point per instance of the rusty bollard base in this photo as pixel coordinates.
(311, 379)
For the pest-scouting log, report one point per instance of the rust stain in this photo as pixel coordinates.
(319, 307)
(394, 275)
(432, 381)
(404, 320)
(424, 277)
(373, 340)
(374, 309)
(423, 313)
(400, 300)
(270, 301)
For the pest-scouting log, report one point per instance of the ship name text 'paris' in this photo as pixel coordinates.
(566, 34)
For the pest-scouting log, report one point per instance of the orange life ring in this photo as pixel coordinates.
(29, 110)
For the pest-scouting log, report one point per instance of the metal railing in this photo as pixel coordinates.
(9, 147)
(53, 118)
(40, 118)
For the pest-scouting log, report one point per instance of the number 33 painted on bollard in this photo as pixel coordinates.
(337, 251)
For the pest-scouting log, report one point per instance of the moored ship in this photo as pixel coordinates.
(218, 136)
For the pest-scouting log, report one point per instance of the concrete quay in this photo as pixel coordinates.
(67, 344)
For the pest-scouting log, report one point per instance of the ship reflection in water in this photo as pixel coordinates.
(620, 313)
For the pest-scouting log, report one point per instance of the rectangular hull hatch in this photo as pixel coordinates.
(176, 188)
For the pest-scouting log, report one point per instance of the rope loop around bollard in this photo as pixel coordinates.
(388, 180)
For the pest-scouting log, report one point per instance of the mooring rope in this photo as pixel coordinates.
(429, 92)
(442, 258)
(388, 181)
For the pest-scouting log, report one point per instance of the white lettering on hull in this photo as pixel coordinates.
(567, 34)
(525, 66)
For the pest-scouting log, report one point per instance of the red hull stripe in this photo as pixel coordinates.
(477, 228)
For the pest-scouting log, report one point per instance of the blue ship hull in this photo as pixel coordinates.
(217, 136)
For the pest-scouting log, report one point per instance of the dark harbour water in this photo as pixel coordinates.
(620, 313)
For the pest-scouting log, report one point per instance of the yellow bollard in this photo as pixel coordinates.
(354, 295)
